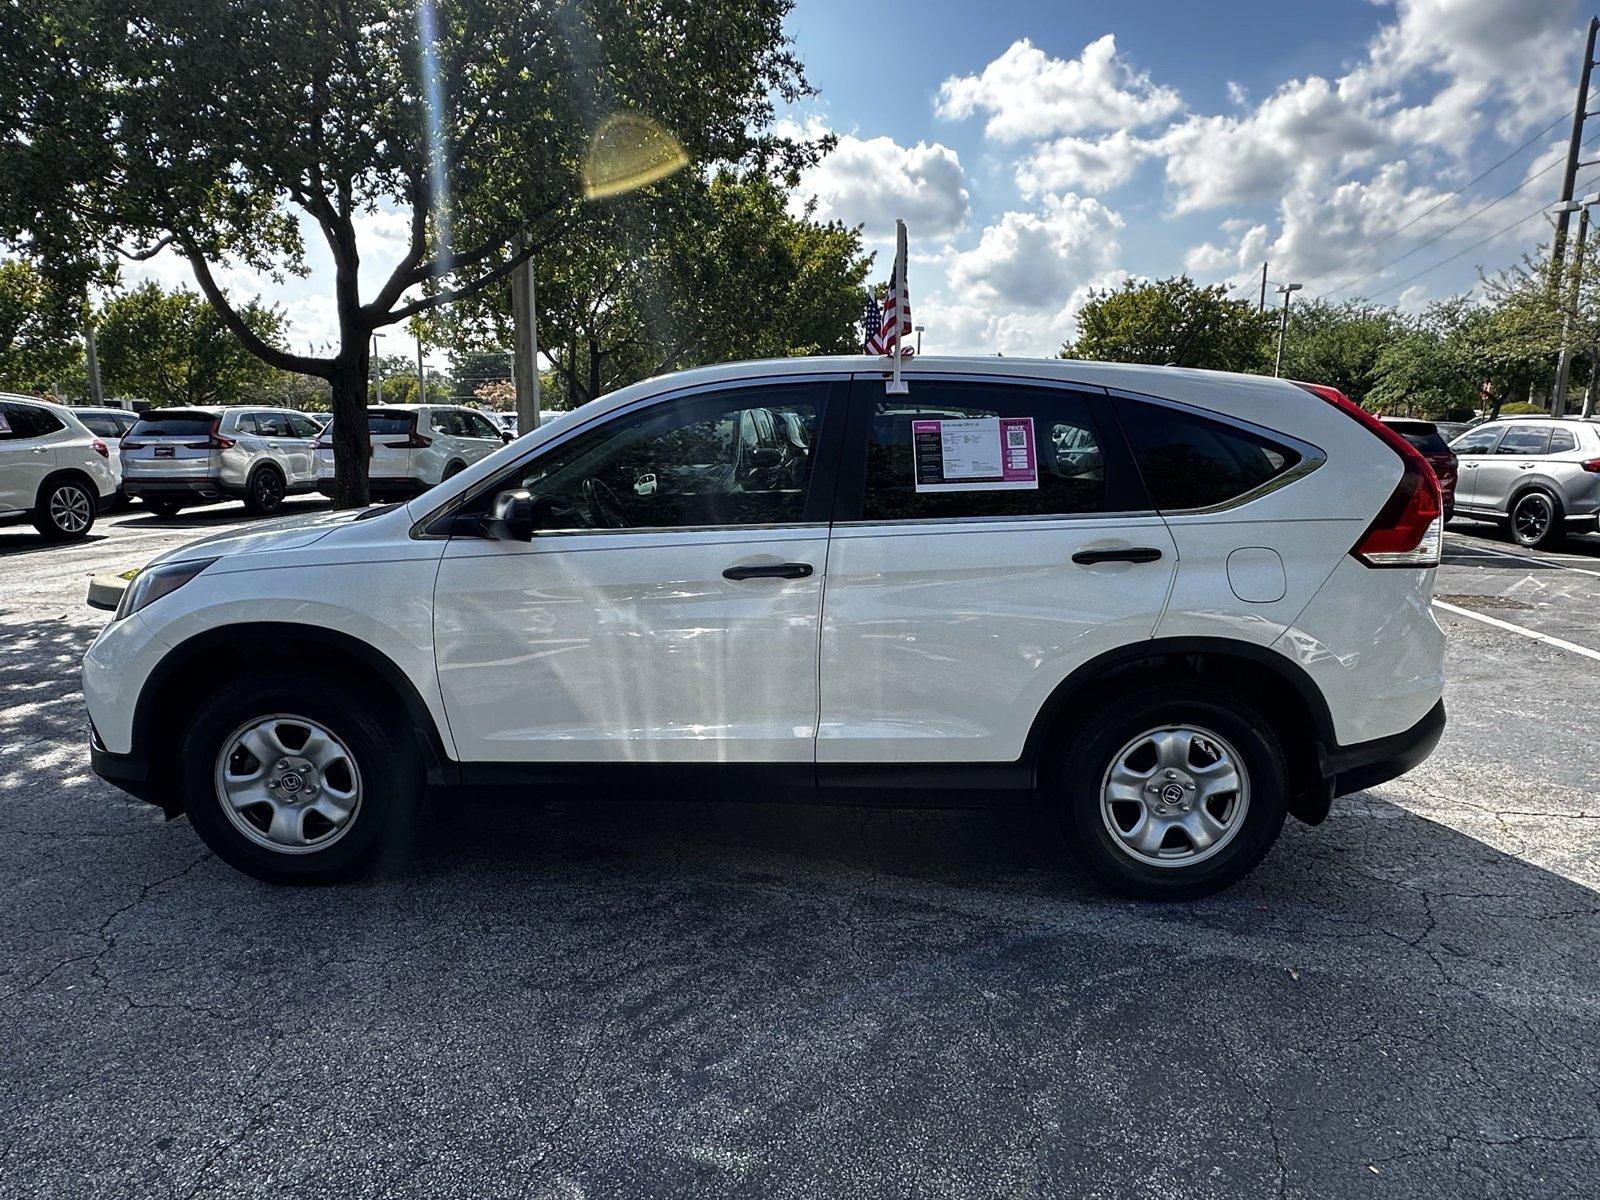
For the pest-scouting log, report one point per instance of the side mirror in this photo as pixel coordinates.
(514, 515)
(507, 436)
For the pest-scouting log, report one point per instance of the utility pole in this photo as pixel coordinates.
(1263, 305)
(1286, 291)
(91, 358)
(525, 355)
(377, 367)
(422, 375)
(1569, 177)
(1569, 310)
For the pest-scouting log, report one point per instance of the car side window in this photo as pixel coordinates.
(1478, 441)
(1525, 440)
(731, 458)
(302, 427)
(482, 427)
(24, 421)
(1189, 461)
(954, 449)
(1561, 441)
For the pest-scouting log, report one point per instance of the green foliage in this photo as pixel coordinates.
(1520, 408)
(171, 348)
(1339, 344)
(41, 329)
(1173, 321)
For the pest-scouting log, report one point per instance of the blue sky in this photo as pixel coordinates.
(1039, 150)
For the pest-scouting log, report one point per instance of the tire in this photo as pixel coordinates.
(264, 492)
(163, 508)
(1173, 865)
(294, 836)
(65, 509)
(1536, 519)
(452, 470)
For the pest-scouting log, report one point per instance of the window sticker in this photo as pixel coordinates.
(987, 455)
(5, 425)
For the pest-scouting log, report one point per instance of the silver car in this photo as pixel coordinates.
(1539, 476)
(178, 456)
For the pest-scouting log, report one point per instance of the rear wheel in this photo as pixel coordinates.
(65, 509)
(453, 470)
(265, 491)
(163, 508)
(297, 782)
(1535, 519)
(1172, 792)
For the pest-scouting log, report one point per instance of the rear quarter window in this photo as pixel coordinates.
(1561, 441)
(1190, 462)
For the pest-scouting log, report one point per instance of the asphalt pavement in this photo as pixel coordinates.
(568, 998)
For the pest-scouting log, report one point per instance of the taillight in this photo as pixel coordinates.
(100, 449)
(1409, 530)
(214, 442)
(125, 444)
(1591, 464)
(415, 442)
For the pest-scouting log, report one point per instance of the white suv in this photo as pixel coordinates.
(415, 446)
(53, 471)
(1171, 606)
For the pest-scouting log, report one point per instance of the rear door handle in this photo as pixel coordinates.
(769, 571)
(1133, 554)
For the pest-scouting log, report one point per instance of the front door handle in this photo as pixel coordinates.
(769, 571)
(1132, 554)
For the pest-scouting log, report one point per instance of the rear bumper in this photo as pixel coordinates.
(383, 489)
(1367, 764)
(205, 489)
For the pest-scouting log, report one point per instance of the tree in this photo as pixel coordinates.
(1340, 344)
(41, 328)
(701, 271)
(232, 131)
(1173, 321)
(174, 348)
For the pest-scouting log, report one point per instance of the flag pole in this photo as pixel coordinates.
(896, 386)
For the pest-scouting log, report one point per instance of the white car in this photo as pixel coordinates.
(414, 447)
(53, 471)
(1170, 606)
(179, 456)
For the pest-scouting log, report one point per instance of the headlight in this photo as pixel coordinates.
(152, 583)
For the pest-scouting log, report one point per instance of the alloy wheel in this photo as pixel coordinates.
(70, 508)
(288, 784)
(1532, 518)
(1174, 796)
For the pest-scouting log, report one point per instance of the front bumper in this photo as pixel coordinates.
(1367, 764)
(130, 772)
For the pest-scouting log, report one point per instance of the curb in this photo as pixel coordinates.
(105, 591)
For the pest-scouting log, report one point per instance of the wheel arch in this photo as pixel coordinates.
(1280, 686)
(58, 475)
(188, 673)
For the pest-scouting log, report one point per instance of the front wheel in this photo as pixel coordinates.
(1535, 520)
(297, 783)
(1172, 792)
(65, 511)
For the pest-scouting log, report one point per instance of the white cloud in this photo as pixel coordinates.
(1028, 94)
(1078, 164)
(871, 181)
(967, 328)
(1034, 260)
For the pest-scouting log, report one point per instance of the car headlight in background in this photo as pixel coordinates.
(152, 583)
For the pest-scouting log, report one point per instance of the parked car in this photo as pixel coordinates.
(1539, 477)
(1451, 430)
(179, 456)
(1425, 436)
(109, 425)
(415, 446)
(53, 471)
(1219, 619)
(321, 418)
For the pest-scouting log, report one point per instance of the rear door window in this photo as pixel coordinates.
(1525, 439)
(1034, 451)
(1193, 462)
(1478, 441)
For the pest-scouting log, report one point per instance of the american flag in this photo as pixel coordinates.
(896, 309)
(871, 322)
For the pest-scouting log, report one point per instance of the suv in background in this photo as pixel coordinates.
(53, 471)
(110, 425)
(1171, 607)
(1425, 436)
(177, 456)
(415, 446)
(1538, 477)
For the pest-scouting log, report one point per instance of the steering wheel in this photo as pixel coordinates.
(605, 510)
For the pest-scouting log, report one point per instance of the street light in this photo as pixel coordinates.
(917, 329)
(1286, 291)
(1558, 402)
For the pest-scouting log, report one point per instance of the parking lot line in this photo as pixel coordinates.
(1474, 550)
(1525, 632)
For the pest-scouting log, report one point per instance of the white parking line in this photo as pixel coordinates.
(1489, 551)
(1527, 633)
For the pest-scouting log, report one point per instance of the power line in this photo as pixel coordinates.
(1440, 236)
(1479, 178)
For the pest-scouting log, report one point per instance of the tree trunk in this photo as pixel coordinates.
(352, 446)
